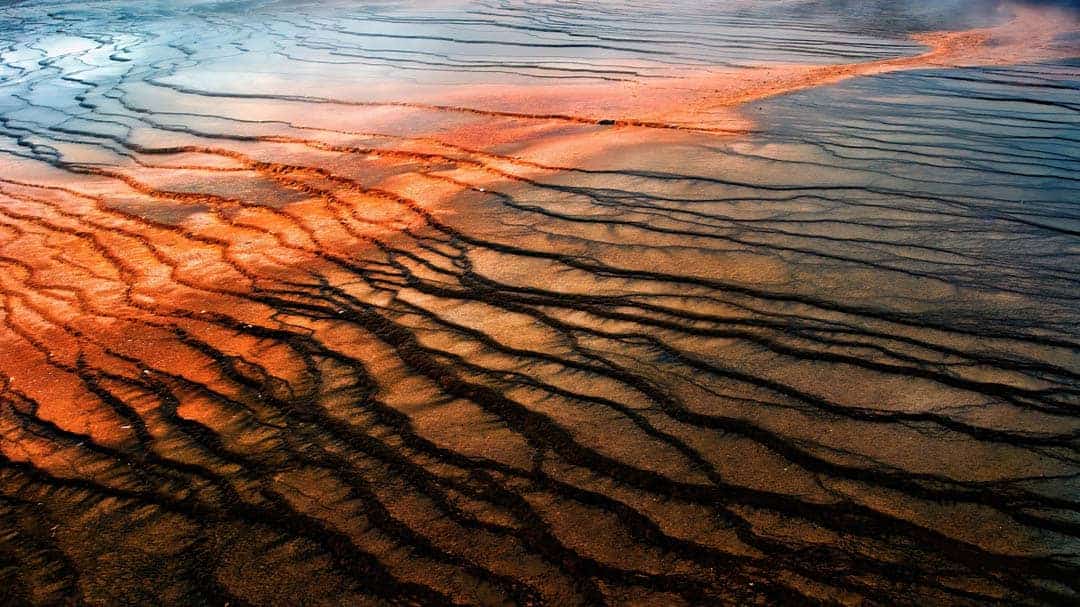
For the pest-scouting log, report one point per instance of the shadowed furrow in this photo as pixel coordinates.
(539, 303)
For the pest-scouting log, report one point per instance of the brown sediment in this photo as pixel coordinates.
(465, 366)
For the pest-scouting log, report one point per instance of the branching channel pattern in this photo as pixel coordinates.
(335, 304)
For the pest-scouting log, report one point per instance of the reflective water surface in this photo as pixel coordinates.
(337, 303)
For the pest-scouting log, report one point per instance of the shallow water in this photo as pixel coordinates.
(538, 303)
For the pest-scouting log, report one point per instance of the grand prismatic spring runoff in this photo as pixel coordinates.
(479, 302)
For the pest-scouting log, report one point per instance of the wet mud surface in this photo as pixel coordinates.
(539, 303)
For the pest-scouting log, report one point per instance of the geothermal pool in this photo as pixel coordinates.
(560, 303)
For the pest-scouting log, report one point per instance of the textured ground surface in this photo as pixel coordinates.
(539, 303)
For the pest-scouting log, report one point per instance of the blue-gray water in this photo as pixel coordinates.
(386, 303)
